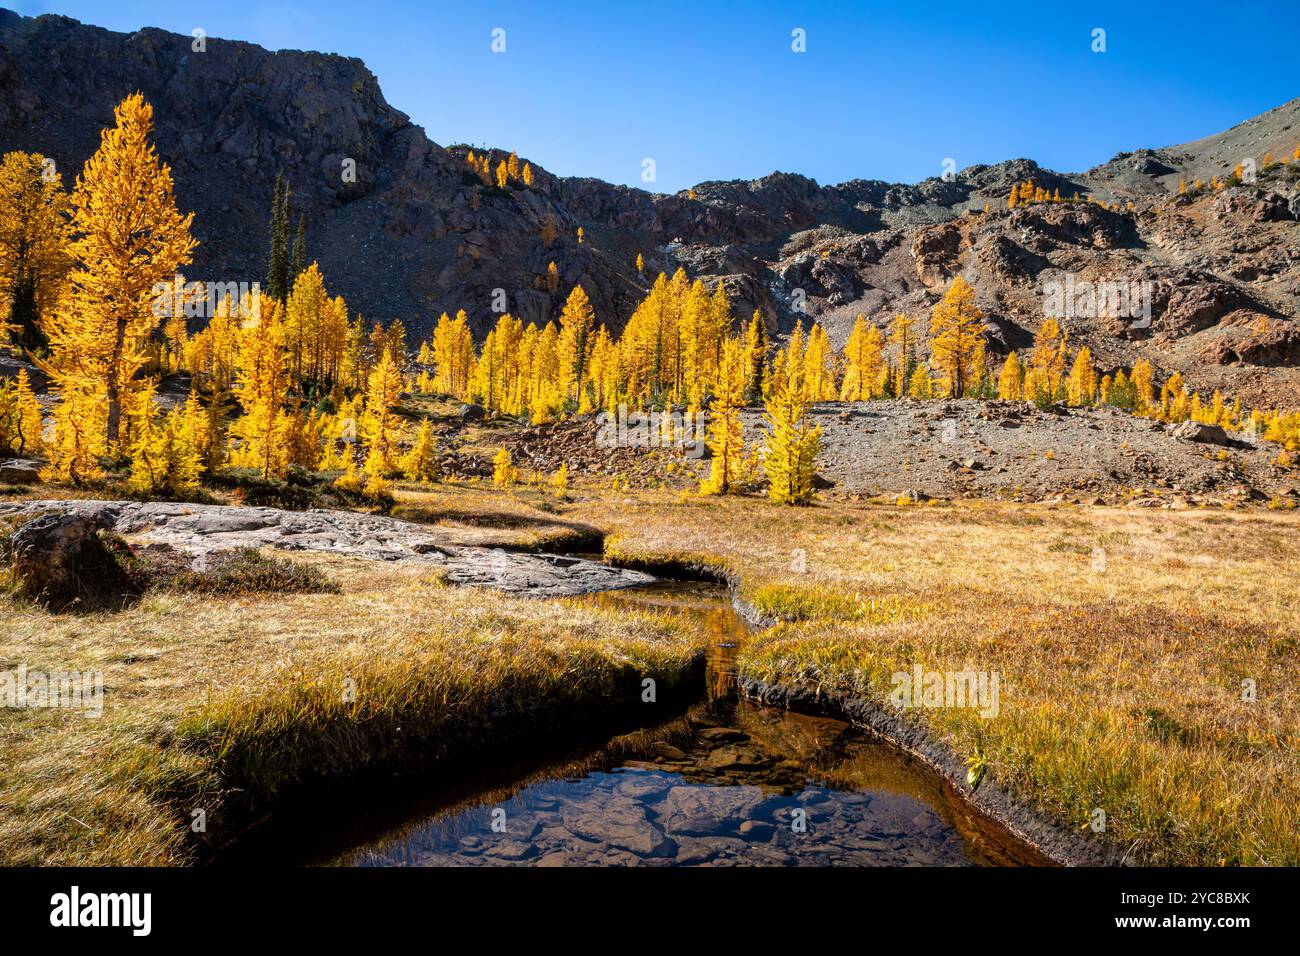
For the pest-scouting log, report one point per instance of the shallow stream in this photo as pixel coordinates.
(727, 784)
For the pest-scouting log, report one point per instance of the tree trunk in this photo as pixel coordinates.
(114, 390)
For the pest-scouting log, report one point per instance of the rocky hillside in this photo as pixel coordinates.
(417, 234)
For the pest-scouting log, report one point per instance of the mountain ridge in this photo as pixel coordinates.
(417, 233)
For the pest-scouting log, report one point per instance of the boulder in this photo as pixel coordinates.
(65, 561)
(19, 471)
(1200, 432)
(472, 413)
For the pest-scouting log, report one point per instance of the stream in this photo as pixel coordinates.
(726, 784)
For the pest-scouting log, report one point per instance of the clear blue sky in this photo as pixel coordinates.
(713, 90)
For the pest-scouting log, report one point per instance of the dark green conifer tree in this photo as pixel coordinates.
(298, 261)
(277, 269)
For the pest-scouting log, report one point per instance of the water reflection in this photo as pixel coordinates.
(730, 784)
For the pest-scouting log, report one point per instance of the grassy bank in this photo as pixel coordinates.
(1121, 637)
(217, 704)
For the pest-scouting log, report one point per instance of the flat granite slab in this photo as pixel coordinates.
(200, 529)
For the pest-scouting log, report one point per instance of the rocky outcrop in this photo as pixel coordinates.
(937, 252)
(417, 233)
(1201, 432)
(63, 560)
(1194, 301)
(63, 528)
(18, 471)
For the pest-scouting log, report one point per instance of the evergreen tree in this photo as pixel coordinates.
(298, 260)
(277, 267)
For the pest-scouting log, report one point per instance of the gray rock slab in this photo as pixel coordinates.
(200, 528)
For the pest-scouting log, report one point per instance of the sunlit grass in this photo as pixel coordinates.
(1122, 638)
(216, 703)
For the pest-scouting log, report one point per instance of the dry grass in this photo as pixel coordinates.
(213, 703)
(1122, 639)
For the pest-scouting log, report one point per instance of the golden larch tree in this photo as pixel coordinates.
(864, 362)
(128, 240)
(577, 325)
(729, 469)
(33, 244)
(956, 332)
(791, 446)
(261, 384)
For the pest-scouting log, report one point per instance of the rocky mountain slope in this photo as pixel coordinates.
(417, 233)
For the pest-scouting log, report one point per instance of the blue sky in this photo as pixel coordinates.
(714, 91)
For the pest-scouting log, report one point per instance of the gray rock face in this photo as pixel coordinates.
(61, 560)
(199, 529)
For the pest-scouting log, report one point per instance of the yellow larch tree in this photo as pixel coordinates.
(1081, 389)
(261, 384)
(128, 240)
(791, 446)
(956, 332)
(421, 462)
(33, 244)
(1009, 380)
(756, 348)
(577, 325)
(864, 362)
(503, 468)
(819, 365)
(729, 468)
(379, 421)
(903, 339)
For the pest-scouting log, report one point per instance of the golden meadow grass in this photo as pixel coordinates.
(206, 696)
(1122, 638)
(1121, 676)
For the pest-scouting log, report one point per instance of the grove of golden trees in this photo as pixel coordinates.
(289, 378)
